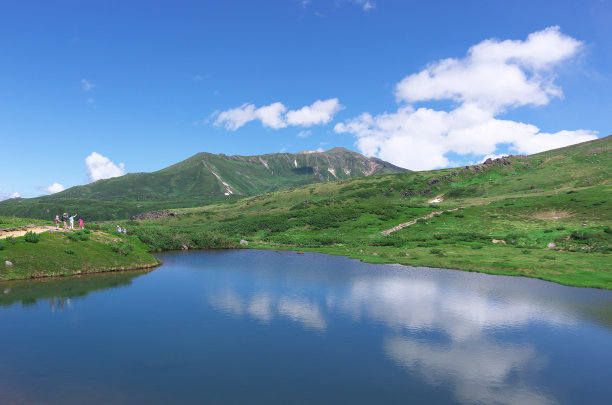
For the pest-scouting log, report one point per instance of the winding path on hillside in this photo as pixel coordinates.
(414, 221)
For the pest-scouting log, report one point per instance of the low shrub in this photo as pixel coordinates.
(580, 235)
(69, 251)
(32, 237)
(2, 245)
(11, 240)
(74, 236)
(436, 251)
(122, 248)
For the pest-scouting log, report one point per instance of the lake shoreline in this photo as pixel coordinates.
(377, 256)
(87, 272)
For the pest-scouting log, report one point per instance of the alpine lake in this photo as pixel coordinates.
(270, 327)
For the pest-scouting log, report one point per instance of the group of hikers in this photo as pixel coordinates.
(68, 221)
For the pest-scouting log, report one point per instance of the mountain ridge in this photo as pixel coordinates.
(200, 179)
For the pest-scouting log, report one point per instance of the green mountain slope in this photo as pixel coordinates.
(547, 215)
(201, 179)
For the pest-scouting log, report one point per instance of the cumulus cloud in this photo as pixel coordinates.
(320, 112)
(100, 167)
(493, 77)
(87, 84)
(53, 188)
(276, 115)
(495, 74)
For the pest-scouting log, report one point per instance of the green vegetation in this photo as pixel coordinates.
(546, 216)
(31, 237)
(68, 253)
(197, 181)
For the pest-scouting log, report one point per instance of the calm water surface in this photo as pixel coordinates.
(265, 327)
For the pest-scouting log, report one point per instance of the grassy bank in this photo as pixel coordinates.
(566, 239)
(70, 253)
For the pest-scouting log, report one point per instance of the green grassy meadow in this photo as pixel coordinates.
(70, 253)
(546, 216)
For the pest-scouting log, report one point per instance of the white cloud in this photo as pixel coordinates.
(7, 196)
(304, 134)
(495, 74)
(53, 188)
(100, 167)
(320, 112)
(493, 77)
(235, 118)
(367, 5)
(276, 115)
(87, 85)
(271, 115)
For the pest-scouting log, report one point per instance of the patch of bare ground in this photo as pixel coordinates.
(436, 199)
(414, 221)
(22, 230)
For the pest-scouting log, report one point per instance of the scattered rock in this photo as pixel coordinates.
(551, 245)
(407, 254)
(487, 164)
(300, 253)
(500, 241)
(433, 181)
(185, 247)
(8, 263)
(360, 250)
(244, 242)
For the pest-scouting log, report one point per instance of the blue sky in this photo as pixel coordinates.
(94, 89)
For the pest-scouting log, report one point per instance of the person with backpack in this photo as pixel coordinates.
(57, 220)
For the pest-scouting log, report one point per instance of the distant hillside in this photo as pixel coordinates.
(203, 178)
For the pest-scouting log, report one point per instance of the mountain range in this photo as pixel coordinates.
(201, 179)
